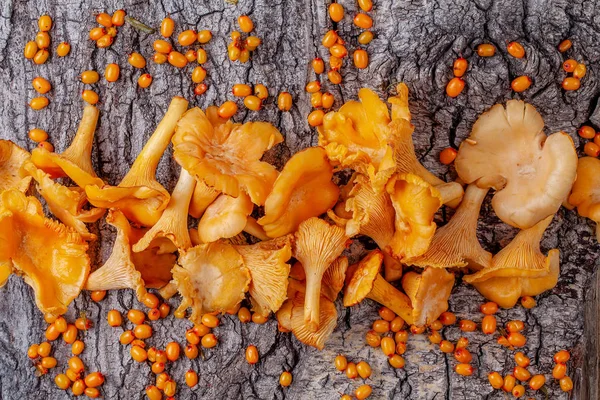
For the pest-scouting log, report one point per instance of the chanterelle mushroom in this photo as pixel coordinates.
(302, 190)
(429, 293)
(225, 217)
(12, 157)
(531, 172)
(366, 282)
(139, 195)
(316, 246)
(304, 331)
(203, 197)
(125, 269)
(173, 221)
(585, 194)
(455, 244)
(50, 257)
(226, 155)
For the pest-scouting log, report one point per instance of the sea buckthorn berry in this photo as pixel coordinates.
(191, 55)
(284, 101)
(363, 21)
(591, 149)
(316, 99)
(126, 337)
(192, 337)
(118, 18)
(521, 374)
(152, 354)
(49, 362)
(105, 41)
(72, 375)
(559, 371)
(62, 381)
(104, 19)
(365, 5)
(138, 354)
(77, 347)
(167, 26)
(191, 351)
(204, 36)
(364, 369)
(153, 393)
(42, 39)
(191, 378)
(41, 85)
(241, 90)
(518, 391)
(32, 351)
(98, 295)
(111, 73)
(261, 91)
(61, 324)
(365, 38)
(340, 362)
(201, 56)
(401, 336)
(94, 379)
(45, 23)
(97, 33)
(566, 384)
(329, 39)
(528, 301)
(362, 392)
(361, 58)
(571, 83)
(381, 326)
(336, 12)
(489, 308)
(464, 369)
(400, 348)
(198, 74)
(515, 49)
(38, 135)
(160, 356)
(466, 325)
(562, 357)
(397, 361)
(496, 380)
(187, 37)
(162, 46)
(76, 364)
(327, 99)
(338, 50)
(285, 379)
(315, 118)
(46, 146)
(89, 77)
(446, 346)
(486, 50)
(569, 65)
(565, 45)
(351, 372)
(37, 103)
(435, 337)
(154, 314)
(44, 349)
(30, 50)
(503, 341)
(454, 87)
(386, 314)
(252, 42)
(318, 65)
(587, 132)
(516, 339)
(258, 318)
(388, 346)
(521, 83)
(83, 324)
(200, 89)
(114, 318)
(460, 67)
(136, 316)
(142, 331)
(252, 103)
(313, 86)
(170, 388)
(136, 60)
(78, 387)
(448, 155)
(537, 381)
(372, 338)
(515, 326)
(92, 393)
(112, 31)
(488, 324)
(172, 350)
(522, 360)
(417, 330)
(227, 110)
(177, 59)
(396, 324)
(579, 71)
(41, 56)
(462, 343)
(463, 356)
(245, 23)
(63, 49)
(164, 309)
(209, 341)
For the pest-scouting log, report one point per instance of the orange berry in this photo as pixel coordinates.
(104, 19)
(566, 384)
(45, 23)
(486, 50)
(285, 379)
(209, 341)
(516, 50)
(463, 356)
(144, 81)
(515, 326)
(591, 149)
(136, 60)
(388, 346)
(284, 101)
(30, 50)
(372, 338)
(580, 71)
(191, 351)
(460, 67)
(363, 21)
(516, 339)
(177, 59)
(447, 318)
(200, 89)
(318, 65)
(528, 301)
(518, 391)
(351, 372)
(198, 74)
(167, 26)
(522, 360)
(466, 325)
(191, 378)
(570, 83)
(329, 39)
(559, 371)
(565, 45)
(509, 383)
(521, 374)
(446, 346)
(94, 379)
(569, 65)
(365, 38)
(38, 103)
(361, 58)
(562, 357)
(340, 362)
(118, 18)
(397, 361)
(521, 83)
(455, 86)
(448, 155)
(537, 381)
(187, 38)
(488, 324)
(496, 380)
(227, 110)
(315, 118)
(464, 369)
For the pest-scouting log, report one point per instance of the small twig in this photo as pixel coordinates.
(139, 25)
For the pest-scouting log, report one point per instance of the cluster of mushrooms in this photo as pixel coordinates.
(295, 268)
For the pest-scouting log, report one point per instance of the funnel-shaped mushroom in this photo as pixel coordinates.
(203, 197)
(302, 190)
(520, 258)
(76, 161)
(585, 194)
(226, 155)
(304, 331)
(173, 221)
(50, 257)
(125, 269)
(508, 150)
(225, 217)
(366, 282)
(12, 157)
(317, 245)
(267, 263)
(429, 293)
(139, 195)
(65, 203)
(415, 202)
(357, 136)
(210, 278)
(456, 244)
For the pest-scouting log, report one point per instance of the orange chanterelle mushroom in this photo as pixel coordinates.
(585, 194)
(50, 257)
(12, 157)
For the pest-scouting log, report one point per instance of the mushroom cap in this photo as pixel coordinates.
(203, 197)
(357, 136)
(415, 202)
(509, 151)
(210, 278)
(302, 190)
(428, 292)
(302, 329)
(12, 157)
(267, 263)
(284, 316)
(585, 194)
(226, 155)
(363, 277)
(225, 217)
(50, 257)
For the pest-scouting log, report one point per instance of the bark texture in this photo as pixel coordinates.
(416, 42)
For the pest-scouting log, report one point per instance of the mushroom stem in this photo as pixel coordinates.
(255, 229)
(173, 222)
(314, 275)
(387, 295)
(452, 193)
(168, 291)
(144, 167)
(80, 150)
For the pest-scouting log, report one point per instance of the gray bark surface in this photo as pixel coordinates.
(415, 42)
